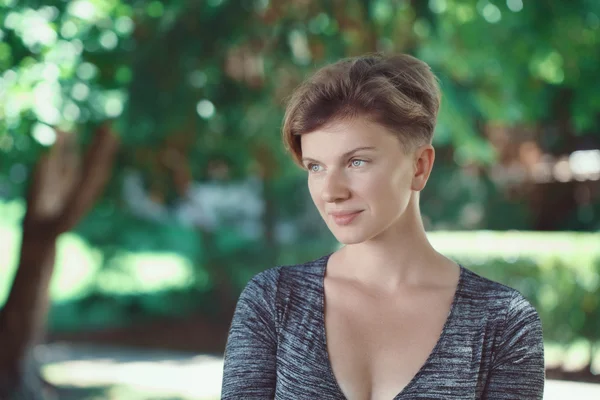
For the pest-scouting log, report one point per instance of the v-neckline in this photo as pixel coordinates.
(451, 316)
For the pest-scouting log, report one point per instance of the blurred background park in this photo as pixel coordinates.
(143, 181)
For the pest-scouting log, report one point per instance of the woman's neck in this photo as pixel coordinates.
(400, 256)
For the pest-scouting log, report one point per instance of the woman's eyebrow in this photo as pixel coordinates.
(346, 154)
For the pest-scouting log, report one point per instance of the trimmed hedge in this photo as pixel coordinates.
(559, 273)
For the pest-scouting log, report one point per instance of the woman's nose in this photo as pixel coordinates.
(335, 187)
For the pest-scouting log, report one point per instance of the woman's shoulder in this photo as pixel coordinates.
(291, 275)
(476, 284)
(515, 321)
(495, 297)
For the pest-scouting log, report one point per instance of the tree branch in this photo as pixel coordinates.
(96, 172)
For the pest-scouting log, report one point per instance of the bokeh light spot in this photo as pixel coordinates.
(71, 112)
(50, 72)
(438, 6)
(46, 101)
(80, 91)
(82, 9)
(197, 79)
(86, 71)
(421, 28)
(49, 13)
(205, 109)
(491, 13)
(464, 13)
(299, 46)
(113, 107)
(109, 40)
(123, 74)
(12, 20)
(124, 25)
(514, 5)
(155, 9)
(318, 24)
(44, 134)
(69, 30)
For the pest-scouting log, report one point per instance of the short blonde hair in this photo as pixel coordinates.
(400, 92)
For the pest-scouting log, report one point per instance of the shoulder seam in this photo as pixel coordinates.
(488, 281)
(503, 326)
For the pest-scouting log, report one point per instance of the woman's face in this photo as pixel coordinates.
(360, 178)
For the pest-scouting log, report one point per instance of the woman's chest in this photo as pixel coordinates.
(353, 352)
(376, 346)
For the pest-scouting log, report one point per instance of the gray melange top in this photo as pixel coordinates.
(490, 347)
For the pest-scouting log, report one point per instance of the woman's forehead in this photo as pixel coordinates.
(345, 136)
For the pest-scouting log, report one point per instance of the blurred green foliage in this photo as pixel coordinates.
(196, 90)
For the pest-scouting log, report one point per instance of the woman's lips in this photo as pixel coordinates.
(344, 218)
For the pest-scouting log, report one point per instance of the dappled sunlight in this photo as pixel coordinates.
(152, 372)
(492, 244)
(147, 272)
(78, 265)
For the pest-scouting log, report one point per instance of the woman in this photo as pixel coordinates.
(386, 316)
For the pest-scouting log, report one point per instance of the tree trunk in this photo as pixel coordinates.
(23, 317)
(61, 191)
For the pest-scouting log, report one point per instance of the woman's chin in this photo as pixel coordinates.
(350, 237)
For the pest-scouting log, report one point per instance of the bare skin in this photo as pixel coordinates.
(377, 342)
(388, 292)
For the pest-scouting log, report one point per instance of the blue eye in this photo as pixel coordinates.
(313, 167)
(358, 163)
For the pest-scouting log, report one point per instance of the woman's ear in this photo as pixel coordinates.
(422, 166)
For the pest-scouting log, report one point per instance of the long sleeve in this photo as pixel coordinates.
(518, 364)
(249, 370)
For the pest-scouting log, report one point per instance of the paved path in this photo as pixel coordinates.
(118, 373)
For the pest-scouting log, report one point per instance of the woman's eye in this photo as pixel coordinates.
(313, 167)
(357, 163)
